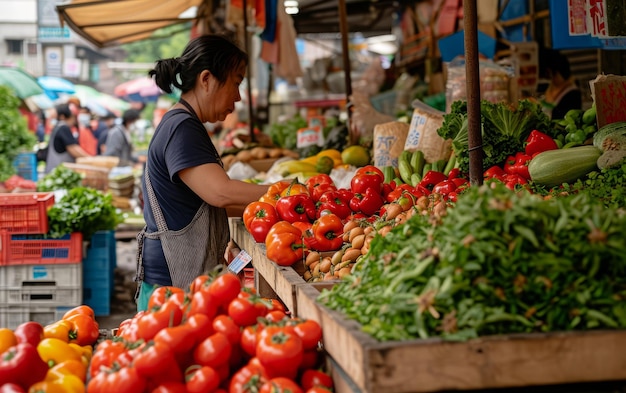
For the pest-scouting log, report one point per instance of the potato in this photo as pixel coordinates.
(275, 153)
(258, 153)
(244, 156)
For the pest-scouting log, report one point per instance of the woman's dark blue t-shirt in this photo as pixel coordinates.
(180, 141)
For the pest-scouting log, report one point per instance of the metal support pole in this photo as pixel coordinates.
(472, 74)
(249, 84)
(343, 28)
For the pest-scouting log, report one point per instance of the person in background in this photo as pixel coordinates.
(63, 145)
(41, 126)
(562, 93)
(119, 142)
(86, 138)
(186, 190)
(105, 123)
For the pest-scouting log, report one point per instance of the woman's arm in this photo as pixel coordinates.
(212, 184)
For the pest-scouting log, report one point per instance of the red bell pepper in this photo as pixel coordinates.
(334, 202)
(284, 244)
(326, 234)
(367, 177)
(368, 203)
(538, 142)
(444, 187)
(431, 178)
(518, 165)
(398, 192)
(511, 181)
(294, 208)
(258, 218)
(495, 172)
(22, 365)
(318, 185)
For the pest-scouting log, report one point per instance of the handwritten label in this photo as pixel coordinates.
(596, 18)
(310, 136)
(241, 260)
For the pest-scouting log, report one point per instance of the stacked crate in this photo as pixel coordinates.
(40, 277)
(99, 264)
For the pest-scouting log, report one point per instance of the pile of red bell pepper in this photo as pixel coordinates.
(514, 173)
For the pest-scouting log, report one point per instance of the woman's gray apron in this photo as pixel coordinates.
(189, 252)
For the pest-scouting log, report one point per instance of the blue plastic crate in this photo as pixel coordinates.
(25, 165)
(98, 297)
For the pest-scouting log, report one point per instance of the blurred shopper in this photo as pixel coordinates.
(86, 138)
(119, 139)
(105, 123)
(63, 145)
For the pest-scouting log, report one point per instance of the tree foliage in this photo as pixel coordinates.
(164, 43)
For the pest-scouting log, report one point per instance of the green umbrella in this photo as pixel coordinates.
(22, 83)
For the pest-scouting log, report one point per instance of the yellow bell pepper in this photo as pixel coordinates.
(61, 329)
(62, 384)
(7, 339)
(85, 351)
(54, 351)
(68, 367)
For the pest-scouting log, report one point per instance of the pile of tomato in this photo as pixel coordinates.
(214, 337)
(52, 358)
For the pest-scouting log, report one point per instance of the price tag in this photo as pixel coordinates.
(241, 260)
(310, 136)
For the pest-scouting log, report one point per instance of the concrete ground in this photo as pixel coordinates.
(122, 303)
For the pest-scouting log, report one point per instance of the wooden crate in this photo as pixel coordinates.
(506, 361)
(271, 280)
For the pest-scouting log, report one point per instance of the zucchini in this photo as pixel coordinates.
(555, 167)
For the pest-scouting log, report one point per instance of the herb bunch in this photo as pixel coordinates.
(498, 263)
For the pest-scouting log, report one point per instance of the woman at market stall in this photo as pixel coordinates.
(185, 187)
(562, 93)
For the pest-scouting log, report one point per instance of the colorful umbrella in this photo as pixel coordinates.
(22, 83)
(142, 89)
(53, 86)
(98, 102)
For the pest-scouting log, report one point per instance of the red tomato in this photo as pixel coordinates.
(214, 351)
(225, 324)
(225, 288)
(104, 355)
(243, 311)
(249, 378)
(179, 338)
(312, 378)
(202, 302)
(310, 332)
(126, 379)
(275, 316)
(276, 305)
(280, 385)
(161, 294)
(201, 327)
(202, 380)
(149, 324)
(170, 387)
(248, 340)
(280, 351)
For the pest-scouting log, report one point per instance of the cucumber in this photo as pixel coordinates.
(417, 161)
(554, 167)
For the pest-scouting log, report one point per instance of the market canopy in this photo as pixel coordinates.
(53, 86)
(106, 23)
(22, 83)
(109, 23)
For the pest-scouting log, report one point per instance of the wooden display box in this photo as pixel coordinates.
(271, 280)
(507, 361)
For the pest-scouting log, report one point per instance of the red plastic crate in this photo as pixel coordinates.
(25, 212)
(35, 250)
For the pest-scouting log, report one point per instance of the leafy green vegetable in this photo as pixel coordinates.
(60, 178)
(15, 137)
(504, 129)
(499, 262)
(84, 210)
(285, 134)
